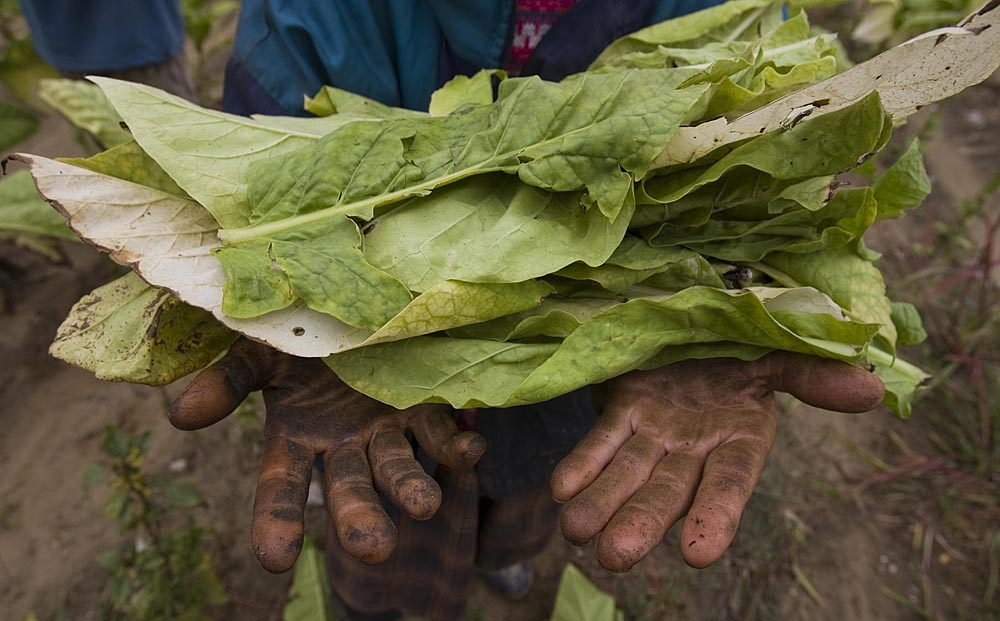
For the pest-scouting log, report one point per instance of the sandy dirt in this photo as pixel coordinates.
(814, 544)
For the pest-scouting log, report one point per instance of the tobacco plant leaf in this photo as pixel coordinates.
(477, 372)
(928, 68)
(465, 91)
(208, 153)
(309, 597)
(591, 132)
(851, 281)
(129, 331)
(169, 240)
(725, 22)
(904, 185)
(498, 231)
(86, 107)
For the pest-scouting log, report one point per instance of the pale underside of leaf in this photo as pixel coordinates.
(169, 241)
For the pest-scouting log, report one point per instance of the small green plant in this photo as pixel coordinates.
(20, 66)
(16, 121)
(957, 279)
(201, 16)
(309, 596)
(578, 599)
(157, 572)
(944, 486)
(201, 20)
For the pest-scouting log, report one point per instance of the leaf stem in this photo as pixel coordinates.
(880, 357)
(234, 236)
(741, 28)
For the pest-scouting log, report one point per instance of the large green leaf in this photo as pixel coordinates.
(725, 22)
(636, 260)
(169, 240)
(904, 185)
(208, 153)
(828, 144)
(85, 106)
(916, 73)
(853, 282)
(593, 133)
(775, 58)
(331, 101)
(499, 231)
(132, 332)
(843, 220)
(465, 92)
(476, 372)
(453, 304)
(129, 162)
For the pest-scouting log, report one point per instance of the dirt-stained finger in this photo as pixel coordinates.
(439, 435)
(591, 455)
(730, 474)
(589, 511)
(215, 392)
(823, 383)
(282, 489)
(362, 525)
(644, 520)
(400, 477)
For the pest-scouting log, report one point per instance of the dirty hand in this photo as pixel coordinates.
(311, 413)
(689, 438)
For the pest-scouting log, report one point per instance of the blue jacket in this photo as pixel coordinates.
(399, 51)
(105, 35)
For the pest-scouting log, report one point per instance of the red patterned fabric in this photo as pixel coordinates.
(533, 20)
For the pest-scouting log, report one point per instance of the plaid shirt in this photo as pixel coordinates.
(430, 574)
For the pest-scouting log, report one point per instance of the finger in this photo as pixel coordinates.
(439, 435)
(643, 522)
(731, 472)
(363, 527)
(590, 510)
(398, 475)
(219, 389)
(825, 383)
(282, 489)
(595, 451)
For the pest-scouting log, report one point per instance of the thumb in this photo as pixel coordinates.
(824, 383)
(215, 392)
